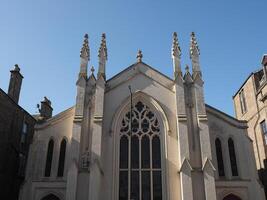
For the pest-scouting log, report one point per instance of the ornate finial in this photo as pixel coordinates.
(187, 69)
(17, 69)
(102, 52)
(194, 49)
(85, 52)
(139, 56)
(176, 50)
(46, 100)
(92, 69)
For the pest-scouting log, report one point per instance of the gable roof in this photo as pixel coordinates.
(251, 74)
(225, 117)
(137, 68)
(16, 104)
(55, 119)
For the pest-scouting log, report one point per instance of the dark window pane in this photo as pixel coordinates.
(263, 127)
(219, 157)
(243, 102)
(150, 115)
(156, 154)
(145, 125)
(145, 152)
(123, 191)
(264, 130)
(135, 152)
(146, 185)
(135, 185)
(157, 190)
(61, 161)
(49, 157)
(124, 152)
(232, 157)
(139, 106)
(155, 126)
(135, 125)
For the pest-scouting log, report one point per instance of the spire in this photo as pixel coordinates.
(85, 56)
(85, 51)
(139, 56)
(194, 55)
(187, 69)
(91, 78)
(176, 50)
(103, 56)
(92, 70)
(187, 76)
(176, 56)
(194, 49)
(102, 52)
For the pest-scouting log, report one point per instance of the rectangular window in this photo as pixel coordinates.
(264, 130)
(242, 101)
(24, 132)
(24, 128)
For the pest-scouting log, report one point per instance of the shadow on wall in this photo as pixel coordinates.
(263, 176)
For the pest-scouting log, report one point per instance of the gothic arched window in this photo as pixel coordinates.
(219, 156)
(61, 160)
(49, 157)
(232, 155)
(231, 197)
(140, 169)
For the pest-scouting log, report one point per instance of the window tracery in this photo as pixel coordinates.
(140, 155)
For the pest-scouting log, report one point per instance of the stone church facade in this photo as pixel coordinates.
(141, 135)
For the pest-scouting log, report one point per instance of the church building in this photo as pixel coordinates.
(141, 135)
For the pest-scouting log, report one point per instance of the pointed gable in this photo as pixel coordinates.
(140, 68)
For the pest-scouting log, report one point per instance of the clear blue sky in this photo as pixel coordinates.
(45, 37)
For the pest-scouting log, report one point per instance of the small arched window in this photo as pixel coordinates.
(232, 155)
(49, 157)
(219, 156)
(61, 160)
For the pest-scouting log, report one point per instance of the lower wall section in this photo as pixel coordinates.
(38, 190)
(242, 189)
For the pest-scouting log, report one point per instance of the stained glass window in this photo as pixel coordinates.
(140, 155)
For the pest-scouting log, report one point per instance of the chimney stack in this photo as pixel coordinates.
(15, 84)
(46, 109)
(264, 60)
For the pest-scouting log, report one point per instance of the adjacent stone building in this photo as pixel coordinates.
(251, 105)
(16, 133)
(141, 135)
